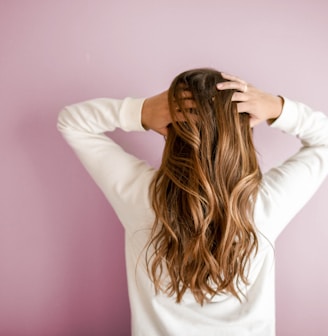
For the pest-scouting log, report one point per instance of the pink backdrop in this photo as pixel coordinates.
(62, 267)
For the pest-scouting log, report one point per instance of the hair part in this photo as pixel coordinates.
(203, 194)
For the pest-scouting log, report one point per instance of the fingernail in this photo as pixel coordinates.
(219, 86)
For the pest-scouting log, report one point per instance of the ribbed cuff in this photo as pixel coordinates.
(130, 114)
(287, 120)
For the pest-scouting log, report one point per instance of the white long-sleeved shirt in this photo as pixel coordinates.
(125, 179)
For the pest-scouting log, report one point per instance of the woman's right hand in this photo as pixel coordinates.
(261, 106)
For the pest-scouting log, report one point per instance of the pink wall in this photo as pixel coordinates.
(61, 246)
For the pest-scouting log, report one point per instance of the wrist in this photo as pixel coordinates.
(145, 114)
(278, 103)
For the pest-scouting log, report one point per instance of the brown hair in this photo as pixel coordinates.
(203, 193)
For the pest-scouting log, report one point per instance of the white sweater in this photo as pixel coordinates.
(125, 179)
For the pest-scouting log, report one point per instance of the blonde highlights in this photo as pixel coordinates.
(203, 194)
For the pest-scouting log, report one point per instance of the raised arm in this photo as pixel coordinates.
(285, 189)
(123, 178)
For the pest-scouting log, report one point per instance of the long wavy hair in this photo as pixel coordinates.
(203, 194)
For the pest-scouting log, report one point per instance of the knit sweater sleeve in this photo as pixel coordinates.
(285, 189)
(123, 178)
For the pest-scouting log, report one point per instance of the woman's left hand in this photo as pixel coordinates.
(155, 113)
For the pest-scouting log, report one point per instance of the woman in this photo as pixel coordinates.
(200, 230)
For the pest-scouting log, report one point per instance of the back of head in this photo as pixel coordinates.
(204, 192)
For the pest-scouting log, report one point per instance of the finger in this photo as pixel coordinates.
(186, 94)
(239, 97)
(232, 86)
(243, 107)
(186, 104)
(232, 78)
(189, 104)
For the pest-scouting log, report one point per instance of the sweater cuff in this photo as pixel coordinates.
(288, 118)
(130, 114)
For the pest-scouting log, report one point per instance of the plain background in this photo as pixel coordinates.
(62, 267)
